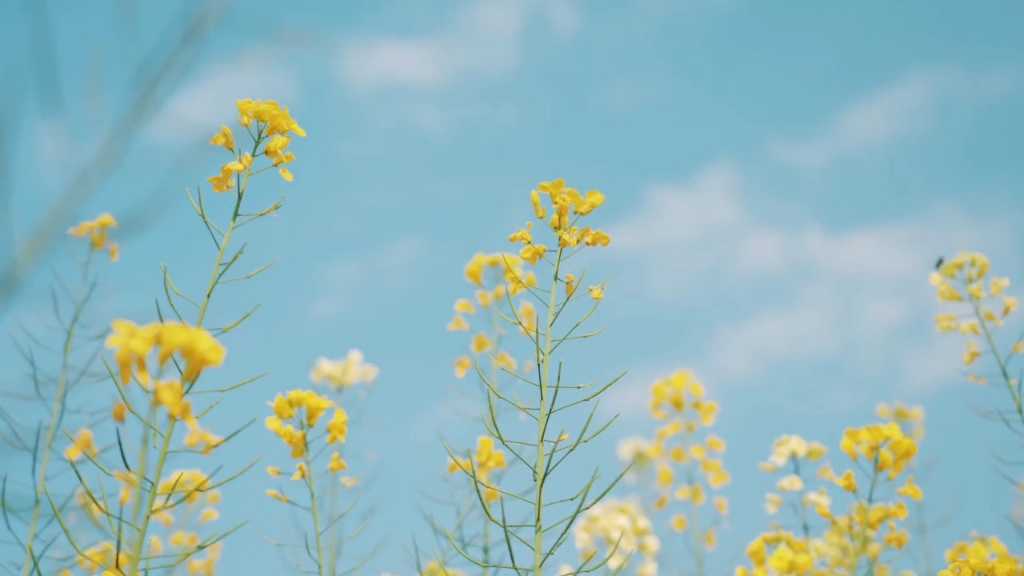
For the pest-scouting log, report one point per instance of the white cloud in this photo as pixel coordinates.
(486, 38)
(797, 295)
(890, 114)
(197, 109)
(338, 282)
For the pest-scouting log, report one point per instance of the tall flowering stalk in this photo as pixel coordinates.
(500, 284)
(911, 419)
(978, 308)
(46, 433)
(531, 546)
(148, 495)
(853, 543)
(342, 376)
(294, 420)
(687, 464)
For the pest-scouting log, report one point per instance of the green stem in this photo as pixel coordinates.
(863, 544)
(315, 507)
(804, 524)
(58, 403)
(542, 424)
(1017, 403)
(691, 479)
(137, 547)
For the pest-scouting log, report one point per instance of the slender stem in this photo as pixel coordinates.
(315, 507)
(691, 479)
(55, 413)
(804, 525)
(1017, 403)
(542, 424)
(137, 547)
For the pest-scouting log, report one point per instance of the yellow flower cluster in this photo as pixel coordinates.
(983, 555)
(778, 552)
(344, 373)
(963, 280)
(567, 207)
(96, 230)
(485, 461)
(295, 415)
(83, 444)
(852, 540)
(789, 454)
(132, 345)
(623, 530)
(685, 456)
(273, 124)
(907, 417)
(103, 555)
(498, 277)
(885, 444)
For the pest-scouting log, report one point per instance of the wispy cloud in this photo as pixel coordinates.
(201, 106)
(486, 39)
(339, 281)
(797, 294)
(892, 113)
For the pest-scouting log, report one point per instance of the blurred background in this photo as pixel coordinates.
(780, 181)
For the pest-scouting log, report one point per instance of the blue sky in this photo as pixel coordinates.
(780, 181)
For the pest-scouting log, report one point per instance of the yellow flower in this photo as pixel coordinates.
(1010, 304)
(208, 515)
(132, 344)
(458, 324)
(722, 505)
(945, 322)
(715, 443)
(119, 412)
(337, 428)
(790, 483)
(462, 366)
(480, 343)
(710, 539)
(596, 292)
(972, 353)
(277, 496)
(772, 504)
(224, 138)
(274, 472)
(196, 436)
(336, 464)
(505, 361)
(665, 476)
(464, 306)
(997, 285)
(97, 232)
(533, 253)
(171, 395)
(538, 209)
(84, 444)
(197, 347)
(679, 523)
(595, 237)
(522, 235)
(224, 181)
(847, 481)
(301, 472)
(911, 490)
(344, 373)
